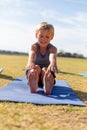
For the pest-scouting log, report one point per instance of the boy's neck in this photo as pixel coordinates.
(43, 50)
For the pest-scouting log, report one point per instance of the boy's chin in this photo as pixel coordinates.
(43, 44)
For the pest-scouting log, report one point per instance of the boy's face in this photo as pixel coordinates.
(44, 37)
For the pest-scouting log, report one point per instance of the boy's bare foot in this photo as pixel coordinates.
(48, 82)
(33, 80)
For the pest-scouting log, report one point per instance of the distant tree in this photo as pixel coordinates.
(76, 55)
(62, 53)
(81, 56)
(68, 54)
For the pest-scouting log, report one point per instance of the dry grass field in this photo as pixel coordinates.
(25, 116)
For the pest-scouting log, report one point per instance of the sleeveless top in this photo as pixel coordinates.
(42, 60)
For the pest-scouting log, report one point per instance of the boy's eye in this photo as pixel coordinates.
(47, 36)
(43, 36)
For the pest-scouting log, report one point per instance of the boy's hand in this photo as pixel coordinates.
(30, 66)
(53, 68)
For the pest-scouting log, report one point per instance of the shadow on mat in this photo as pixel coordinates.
(69, 94)
(6, 77)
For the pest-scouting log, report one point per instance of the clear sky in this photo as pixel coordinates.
(18, 20)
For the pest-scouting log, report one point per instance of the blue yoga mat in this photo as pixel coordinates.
(83, 74)
(1, 69)
(18, 91)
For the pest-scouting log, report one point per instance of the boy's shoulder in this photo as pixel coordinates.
(34, 47)
(51, 45)
(52, 48)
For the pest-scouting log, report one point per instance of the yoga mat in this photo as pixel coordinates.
(83, 74)
(1, 69)
(18, 91)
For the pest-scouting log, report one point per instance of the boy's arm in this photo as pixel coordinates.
(52, 59)
(32, 57)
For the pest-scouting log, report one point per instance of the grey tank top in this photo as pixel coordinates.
(42, 60)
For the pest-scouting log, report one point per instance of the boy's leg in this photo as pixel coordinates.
(48, 81)
(33, 78)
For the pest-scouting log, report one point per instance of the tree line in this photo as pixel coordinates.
(69, 54)
(59, 54)
(12, 52)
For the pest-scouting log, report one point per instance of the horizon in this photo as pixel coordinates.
(21, 52)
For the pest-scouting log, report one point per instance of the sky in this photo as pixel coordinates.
(19, 18)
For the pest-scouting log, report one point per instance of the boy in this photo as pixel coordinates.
(42, 66)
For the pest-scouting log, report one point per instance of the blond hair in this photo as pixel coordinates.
(45, 26)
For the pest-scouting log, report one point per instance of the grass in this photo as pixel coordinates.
(25, 116)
